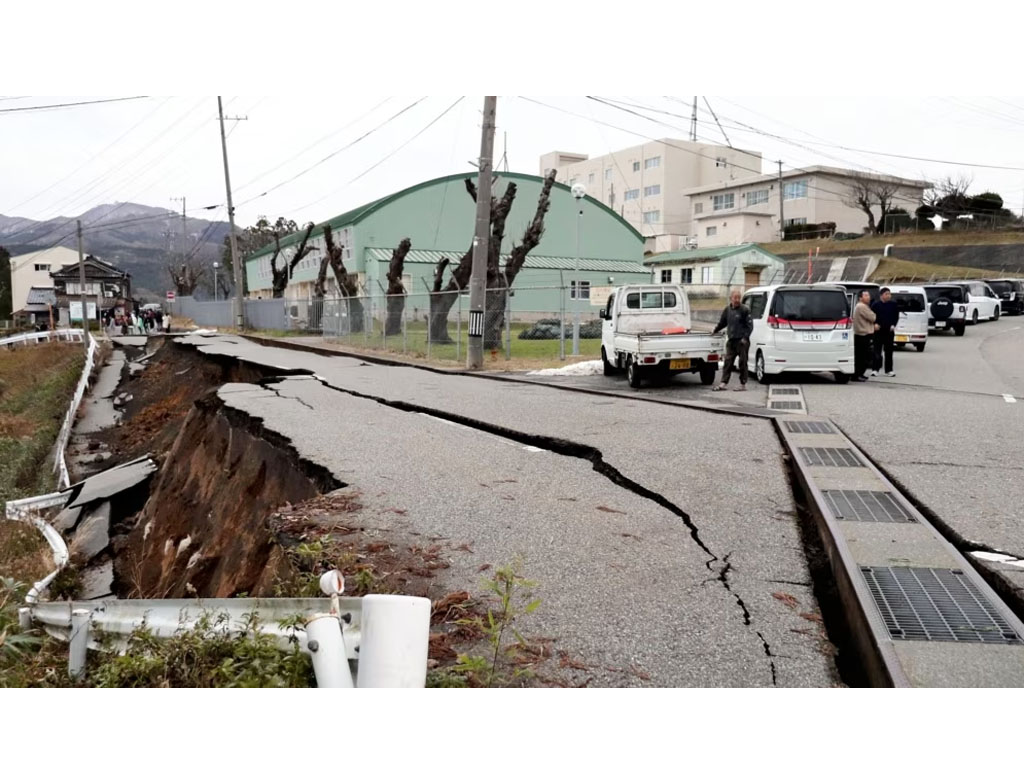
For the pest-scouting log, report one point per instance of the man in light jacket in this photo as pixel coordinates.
(864, 327)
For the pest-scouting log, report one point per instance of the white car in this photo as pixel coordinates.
(800, 328)
(912, 327)
(983, 304)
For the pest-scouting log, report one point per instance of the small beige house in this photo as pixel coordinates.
(712, 272)
(32, 270)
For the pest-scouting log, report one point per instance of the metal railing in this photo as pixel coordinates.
(60, 464)
(42, 337)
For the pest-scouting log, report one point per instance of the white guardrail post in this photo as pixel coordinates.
(395, 635)
(326, 647)
(79, 641)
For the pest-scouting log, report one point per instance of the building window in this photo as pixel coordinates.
(590, 178)
(652, 217)
(651, 191)
(705, 275)
(607, 174)
(686, 275)
(584, 289)
(666, 275)
(757, 197)
(42, 267)
(711, 231)
(698, 207)
(721, 162)
(793, 190)
(636, 166)
(652, 162)
(791, 222)
(631, 194)
(724, 201)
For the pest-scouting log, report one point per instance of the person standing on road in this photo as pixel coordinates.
(864, 328)
(736, 317)
(887, 315)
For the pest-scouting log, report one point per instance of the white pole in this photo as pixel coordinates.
(393, 645)
(79, 642)
(25, 619)
(326, 646)
(578, 191)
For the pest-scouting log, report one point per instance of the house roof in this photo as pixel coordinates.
(707, 254)
(358, 214)
(71, 270)
(41, 296)
(532, 261)
(811, 170)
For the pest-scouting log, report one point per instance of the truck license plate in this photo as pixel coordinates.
(679, 365)
(902, 339)
(813, 337)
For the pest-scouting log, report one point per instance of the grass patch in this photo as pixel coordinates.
(24, 553)
(36, 385)
(898, 270)
(878, 242)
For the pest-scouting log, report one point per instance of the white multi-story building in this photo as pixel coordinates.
(32, 270)
(747, 210)
(648, 184)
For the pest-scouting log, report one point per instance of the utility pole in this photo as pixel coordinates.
(481, 240)
(782, 225)
(184, 229)
(81, 289)
(693, 121)
(235, 262)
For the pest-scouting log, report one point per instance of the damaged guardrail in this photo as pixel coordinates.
(38, 337)
(25, 509)
(60, 465)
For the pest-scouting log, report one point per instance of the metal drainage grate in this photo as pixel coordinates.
(810, 427)
(935, 604)
(786, 405)
(785, 390)
(867, 507)
(831, 457)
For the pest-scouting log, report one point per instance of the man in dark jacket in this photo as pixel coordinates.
(736, 317)
(887, 315)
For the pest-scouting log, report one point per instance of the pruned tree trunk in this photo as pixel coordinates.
(440, 306)
(280, 277)
(396, 290)
(348, 284)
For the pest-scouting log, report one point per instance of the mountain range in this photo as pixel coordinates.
(133, 237)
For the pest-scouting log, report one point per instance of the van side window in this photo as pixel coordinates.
(755, 303)
(669, 299)
(632, 301)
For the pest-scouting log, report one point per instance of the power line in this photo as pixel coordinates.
(71, 104)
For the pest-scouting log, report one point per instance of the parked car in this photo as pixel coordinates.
(1010, 293)
(853, 290)
(947, 307)
(646, 331)
(982, 304)
(912, 327)
(800, 328)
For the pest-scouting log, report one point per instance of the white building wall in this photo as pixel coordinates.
(26, 272)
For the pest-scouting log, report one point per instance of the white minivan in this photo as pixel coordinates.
(983, 304)
(912, 327)
(800, 328)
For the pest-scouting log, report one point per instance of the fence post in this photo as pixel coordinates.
(458, 320)
(561, 315)
(430, 312)
(79, 641)
(393, 645)
(405, 329)
(326, 646)
(508, 320)
(384, 325)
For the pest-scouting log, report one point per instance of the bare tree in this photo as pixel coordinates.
(186, 272)
(281, 276)
(348, 284)
(949, 197)
(865, 193)
(396, 290)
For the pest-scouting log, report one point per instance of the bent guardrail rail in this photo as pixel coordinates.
(38, 337)
(25, 509)
(60, 464)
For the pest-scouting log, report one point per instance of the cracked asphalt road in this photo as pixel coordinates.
(677, 580)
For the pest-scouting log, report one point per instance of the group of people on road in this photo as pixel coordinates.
(131, 322)
(874, 331)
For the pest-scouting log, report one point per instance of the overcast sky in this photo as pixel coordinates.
(151, 150)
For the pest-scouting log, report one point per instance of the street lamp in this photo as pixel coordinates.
(215, 294)
(579, 192)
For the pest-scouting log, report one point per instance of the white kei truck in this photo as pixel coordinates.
(647, 332)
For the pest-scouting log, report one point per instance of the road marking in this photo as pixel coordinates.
(1010, 398)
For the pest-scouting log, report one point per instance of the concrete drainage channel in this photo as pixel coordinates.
(915, 612)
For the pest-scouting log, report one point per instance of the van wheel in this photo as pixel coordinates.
(841, 378)
(707, 374)
(960, 329)
(974, 318)
(632, 373)
(759, 374)
(609, 369)
(919, 345)
(996, 315)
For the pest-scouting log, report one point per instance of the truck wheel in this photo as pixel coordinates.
(632, 373)
(960, 329)
(759, 374)
(707, 374)
(919, 345)
(609, 369)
